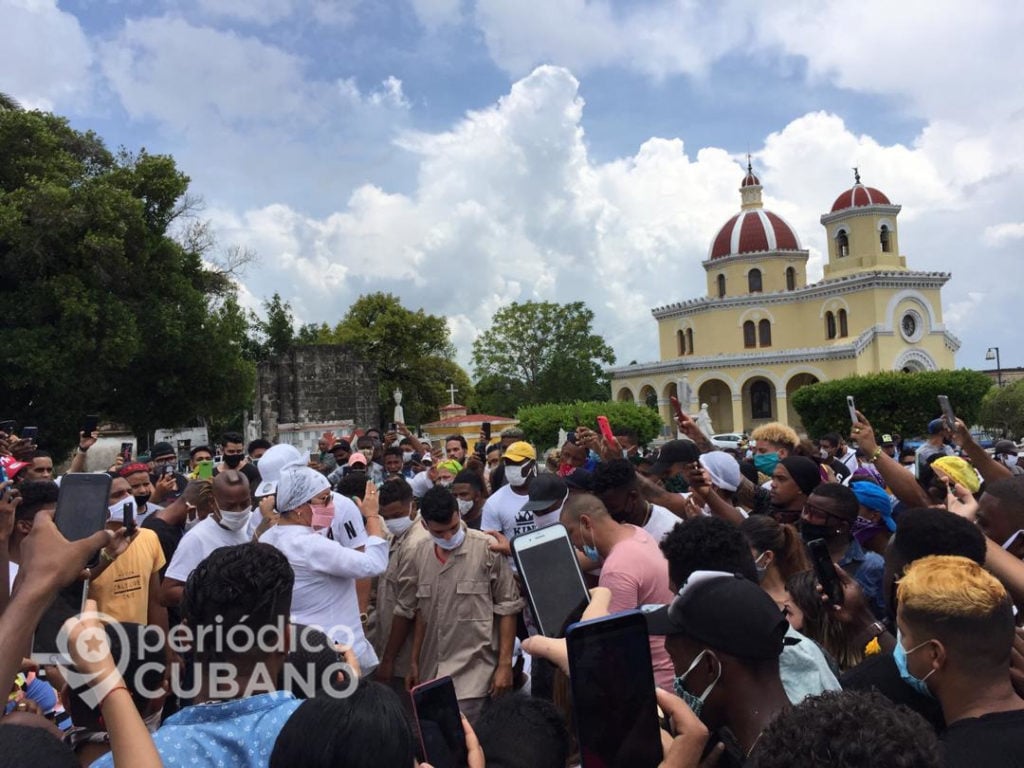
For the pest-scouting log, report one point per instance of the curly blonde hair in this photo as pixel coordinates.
(777, 434)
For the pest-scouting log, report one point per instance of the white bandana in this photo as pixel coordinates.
(297, 485)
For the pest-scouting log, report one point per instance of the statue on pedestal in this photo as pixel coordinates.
(703, 420)
(399, 416)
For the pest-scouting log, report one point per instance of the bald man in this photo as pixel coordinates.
(224, 527)
(632, 566)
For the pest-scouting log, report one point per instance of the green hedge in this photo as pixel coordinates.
(541, 422)
(892, 401)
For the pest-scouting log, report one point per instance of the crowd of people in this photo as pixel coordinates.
(842, 601)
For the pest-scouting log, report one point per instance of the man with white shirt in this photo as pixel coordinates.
(325, 574)
(226, 526)
(617, 486)
(503, 511)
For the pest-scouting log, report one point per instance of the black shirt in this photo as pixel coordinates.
(879, 672)
(169, 536)
(989, 741)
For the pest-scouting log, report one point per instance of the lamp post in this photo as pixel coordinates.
(993, 354)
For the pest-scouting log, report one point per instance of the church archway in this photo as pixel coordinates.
(758, 401)
(795, 383)
(625, 395)
(718, 396)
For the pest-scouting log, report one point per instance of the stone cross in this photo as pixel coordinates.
(451, 391)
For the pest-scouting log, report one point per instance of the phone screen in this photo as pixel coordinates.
(613, 692)
(126, 452)
(825, 571)
(204, 469)
(29, 433)
(82, 505)
(440, 724)
(547, 564)
(67, 603)
(129, 517)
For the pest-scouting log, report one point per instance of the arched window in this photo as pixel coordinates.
(721, 286)
(754, 281)
(790, 279)
(749, 335)
(843, 329)
(681, 343)
(843, 243)
(689, 341)
(830, 325)
(760, 400)
(883, 236)
(764, 333)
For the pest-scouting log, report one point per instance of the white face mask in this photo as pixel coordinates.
(548, 518)
(234, 521)
(406, 457)
(1008, 459)
(453, 543)
(464, 506)
(516, 476)
(444, 483)
(399, 525)
(117, 510)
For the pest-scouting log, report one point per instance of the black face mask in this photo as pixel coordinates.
(140, 502)
(810, 531)
(233, 461)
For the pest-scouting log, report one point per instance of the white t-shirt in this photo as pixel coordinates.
(197, 543)
(324, 594)
(504, 512)
(661, 522)
(347, 525)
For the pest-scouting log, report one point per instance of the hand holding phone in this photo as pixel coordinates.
(204, 469)
(853, 410)
(551, 577)
(129, 518)
(89, 425)
(825, 571)
(29, 433)
(439, 722)
(947, 412)
(606, 430)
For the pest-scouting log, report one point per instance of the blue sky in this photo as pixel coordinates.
(468, 153)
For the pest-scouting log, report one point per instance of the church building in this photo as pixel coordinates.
(762, 331)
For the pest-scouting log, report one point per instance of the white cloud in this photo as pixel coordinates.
(45, 58)
(436, 13)
(268, 12)
(508, 205)
(1000, 234)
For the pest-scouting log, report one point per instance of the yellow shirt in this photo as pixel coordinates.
(122, 590)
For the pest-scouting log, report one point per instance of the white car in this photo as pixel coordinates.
(728, 440)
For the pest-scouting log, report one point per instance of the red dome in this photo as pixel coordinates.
(750, 179)
(858, 196)
(753, 231)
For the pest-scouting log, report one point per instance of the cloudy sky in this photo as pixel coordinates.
(464, 154)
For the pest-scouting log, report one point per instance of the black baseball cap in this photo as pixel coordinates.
(162, 449)
(674, 452)
(580, 480)
(725, 611)
(545, 490)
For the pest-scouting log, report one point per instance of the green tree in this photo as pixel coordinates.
(411, 350)
(104, 311)
(892, 401)
(274, 333)
(8, 103)
(542, 352)
(1002, 410)
(542, 422)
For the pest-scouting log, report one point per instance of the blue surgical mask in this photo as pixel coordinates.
(590, 550)
(696, 703)
(899, 655)
(766, 462)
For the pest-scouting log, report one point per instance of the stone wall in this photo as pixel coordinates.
(313, 385)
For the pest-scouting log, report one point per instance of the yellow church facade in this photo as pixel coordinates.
(762, 331)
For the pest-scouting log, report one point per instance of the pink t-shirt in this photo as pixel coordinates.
(636, 572)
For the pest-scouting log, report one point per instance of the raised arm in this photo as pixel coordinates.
(902, 484)
(990, 469)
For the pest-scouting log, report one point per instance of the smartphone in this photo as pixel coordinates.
(90, 424)
(551, 576)
(612, 684)
(266, 488)
(129, 518)
(486, 429)
(68, 602)
(947, 412)
(852, 408)
(29, 433)
(204, 469)
(393, 426)
(82, 505)
(439, 723)
(825, 571)
(7, 426)
(606, 429)
(126, 452)
(314, 456)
